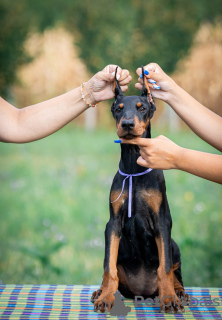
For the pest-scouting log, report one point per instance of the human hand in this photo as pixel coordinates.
(100, 86)
(157, 153)
(161, 85)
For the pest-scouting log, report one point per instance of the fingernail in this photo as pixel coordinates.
(112, 75)
(118, 77)
(151, 81)
(118, 141)
(156, 87)
(145, 72)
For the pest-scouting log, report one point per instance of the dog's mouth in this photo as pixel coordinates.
(129, 136)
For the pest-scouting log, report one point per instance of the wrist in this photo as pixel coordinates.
(172, 95)
(88, 94)
(179, 157)
(175, 95)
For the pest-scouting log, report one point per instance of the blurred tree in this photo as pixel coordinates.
(131, 32)
(14, 29)
(127, 32)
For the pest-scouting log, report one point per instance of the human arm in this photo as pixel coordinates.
(162, 153)
(40, 120)
(205, 123)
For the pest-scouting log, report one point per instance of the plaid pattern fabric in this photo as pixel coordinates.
(73, 302)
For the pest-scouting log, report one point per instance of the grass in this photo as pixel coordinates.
(54, 208)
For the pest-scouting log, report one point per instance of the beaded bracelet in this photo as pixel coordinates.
(83, 97)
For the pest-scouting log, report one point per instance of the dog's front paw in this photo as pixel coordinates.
(184, 297)
(104, 303)
(95, 295)
(171, 304)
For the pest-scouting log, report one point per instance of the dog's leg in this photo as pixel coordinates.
(169, 300)
(110, 279)
(162, 224)
(178, 286)
(113, 230)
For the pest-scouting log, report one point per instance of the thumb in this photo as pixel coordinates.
(154, 67)
(141, 142)
(142, 162)
(155, 76)
(106, 76)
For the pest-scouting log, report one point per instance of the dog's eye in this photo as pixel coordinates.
(140, 106)
(118, 110)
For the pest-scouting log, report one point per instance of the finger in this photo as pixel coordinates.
(111, 69)
(124, 74)
(154, 67)
(106, 69)
(142, 162)
(105, 76)
(153, 76)
(151, 67)
(125, 81)
(143, 154)
(162, 138)
(141, 142)
(140, 86)
(124, 88)
(152, 83)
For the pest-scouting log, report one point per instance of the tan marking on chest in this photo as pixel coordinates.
(119, 203)
(153, 198)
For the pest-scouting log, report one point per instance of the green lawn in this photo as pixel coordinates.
(54, 208)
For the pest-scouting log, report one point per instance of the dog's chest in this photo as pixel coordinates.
(140, 200)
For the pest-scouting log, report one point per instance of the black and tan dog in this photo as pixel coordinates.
(141, 258)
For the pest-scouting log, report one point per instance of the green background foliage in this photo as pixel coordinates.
(54, 192)
(14, 30)
(127, 32)
(54, 208)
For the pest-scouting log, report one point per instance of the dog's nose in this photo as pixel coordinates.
(128, 124)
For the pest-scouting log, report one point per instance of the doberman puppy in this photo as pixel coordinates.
(141, 258)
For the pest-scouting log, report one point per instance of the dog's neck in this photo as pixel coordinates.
(129, 155)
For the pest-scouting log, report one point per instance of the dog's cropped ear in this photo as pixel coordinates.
(144, 89)
(113, 108)
(116, 87)
(152, 109)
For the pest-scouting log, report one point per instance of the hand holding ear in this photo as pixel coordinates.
(157, 153)
(161, 85)
(100, 86)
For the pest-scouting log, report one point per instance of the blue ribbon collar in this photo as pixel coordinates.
(130, 176)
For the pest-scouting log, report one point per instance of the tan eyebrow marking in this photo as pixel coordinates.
(121, 105)
(139, 104)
